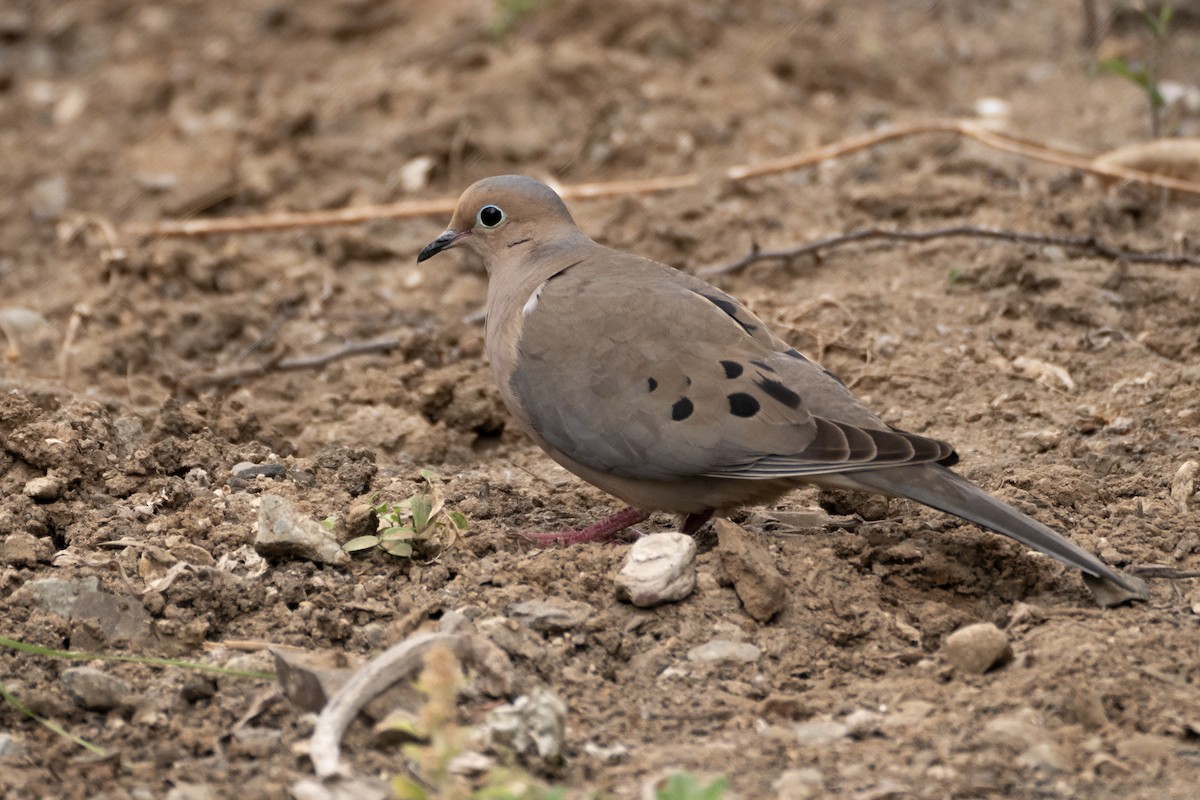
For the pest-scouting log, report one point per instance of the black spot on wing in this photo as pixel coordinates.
(794, 353)
(732, 369)
(730, 308)
(778, 392)
(651, 384)
(743, 405)
(763, 366)
(682, 409)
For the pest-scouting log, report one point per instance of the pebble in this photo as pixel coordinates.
(1016, 731)
(10, 747)
(749, 567)
(799, 784)
(1045, 756)
(283, 532)
(45, 489)
(94, 689)
(819, 732)
(533, 724)
(1183, 485)
(976, 648)
(551, 616)
(724, 651)
(58, 596)
(862, 723)
(660, 568)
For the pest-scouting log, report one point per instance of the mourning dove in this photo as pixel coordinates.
(666, 392)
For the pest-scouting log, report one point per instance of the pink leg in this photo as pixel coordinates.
(603, 531)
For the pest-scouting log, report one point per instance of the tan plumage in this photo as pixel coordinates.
(667, 393)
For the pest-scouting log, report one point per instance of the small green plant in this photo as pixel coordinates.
(1145, 75)
(422, 520)
(684, 786)
(440, 739)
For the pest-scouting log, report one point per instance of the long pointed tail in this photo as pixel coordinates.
(947, 491)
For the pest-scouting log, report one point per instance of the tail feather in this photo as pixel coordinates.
(939, 488)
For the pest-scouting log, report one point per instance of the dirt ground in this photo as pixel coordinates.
(133, 112)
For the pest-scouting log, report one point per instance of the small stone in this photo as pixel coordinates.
(1045, 756)
(10, 747)
(283, 532)
(1183, 485)
(551, 616)
(659, 569)
(192, 791)
(748, 565)
(533, 724)
(58, 596)
(45, 489)
(606, 754)
(976, 648)
(1014, 732)
(862, 723)
(25, 550)
(723, 651)
(819, 732)
(95, 690)
(309, 679)
(50, 197)
(799, 784)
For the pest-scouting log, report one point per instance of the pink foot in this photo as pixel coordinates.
(603, 531)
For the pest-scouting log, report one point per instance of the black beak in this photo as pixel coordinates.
(443, 242)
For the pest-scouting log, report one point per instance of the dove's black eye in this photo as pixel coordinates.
(490, 216)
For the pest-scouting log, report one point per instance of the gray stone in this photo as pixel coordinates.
(723, 651)
(862, 723)
(1046, 757)
(59, 596)
(533, 724)
(976, 648)
(659, 569)
(551, 616)
(94, 689)
(10, 747)
(283, 532)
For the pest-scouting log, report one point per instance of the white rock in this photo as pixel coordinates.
(725, 651)
(799, 784)
(659, 569)
(46, 489)
(819, 732)
(976, 648)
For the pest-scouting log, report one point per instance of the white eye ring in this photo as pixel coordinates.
(490, 216)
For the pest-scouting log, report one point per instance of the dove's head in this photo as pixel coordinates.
(505, 215)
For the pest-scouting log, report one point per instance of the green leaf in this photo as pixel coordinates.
(422, 508)
(457, 519)
(397, 533)
(684, 786)
(328, 523)
(361, 543)
(399, 549)
(430, 476)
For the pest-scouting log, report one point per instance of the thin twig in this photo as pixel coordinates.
(1086, 244)
(289, 364)
(1026, 148)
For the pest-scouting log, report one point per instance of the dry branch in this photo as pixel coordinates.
(1087, 244)
(1017, 145)
(194, 382)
